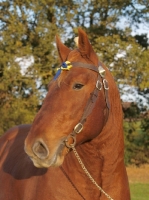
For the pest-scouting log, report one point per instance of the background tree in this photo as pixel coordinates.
(136, 136)
(28, 30)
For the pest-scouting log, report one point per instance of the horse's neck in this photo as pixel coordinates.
(110, 146)
(110, 141)
(102, 157)
(76, 174)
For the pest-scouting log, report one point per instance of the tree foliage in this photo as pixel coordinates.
(109, 25)
(136, 141)
(28, 31)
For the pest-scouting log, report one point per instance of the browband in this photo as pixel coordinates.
(67, 65)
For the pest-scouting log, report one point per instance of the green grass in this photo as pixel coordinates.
(139, 191)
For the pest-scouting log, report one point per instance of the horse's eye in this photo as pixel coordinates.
(77, 86)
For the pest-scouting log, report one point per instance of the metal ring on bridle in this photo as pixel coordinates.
(98, 85)
(105, 84)
(72, 144)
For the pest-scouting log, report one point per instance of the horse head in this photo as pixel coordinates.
(76, 107)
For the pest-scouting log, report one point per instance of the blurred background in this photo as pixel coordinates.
(119, 32)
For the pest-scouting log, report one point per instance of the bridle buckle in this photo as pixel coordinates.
(101, 71)
(105, 84)
(78, 128)
(98, 85)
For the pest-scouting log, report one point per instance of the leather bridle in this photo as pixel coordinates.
(101, 82)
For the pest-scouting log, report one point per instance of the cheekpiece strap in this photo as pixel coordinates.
(102, 73)
(101, 83)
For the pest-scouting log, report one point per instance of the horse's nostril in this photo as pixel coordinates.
(40, 150)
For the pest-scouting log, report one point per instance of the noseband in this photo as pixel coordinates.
(101, 82)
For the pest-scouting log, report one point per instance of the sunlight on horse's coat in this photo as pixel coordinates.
(82, 108)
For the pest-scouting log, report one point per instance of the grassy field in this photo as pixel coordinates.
(139, 191)
(139, 182)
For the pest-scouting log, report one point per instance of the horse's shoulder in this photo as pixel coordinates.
(11, 134)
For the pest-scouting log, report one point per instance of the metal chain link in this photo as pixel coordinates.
(88, 174)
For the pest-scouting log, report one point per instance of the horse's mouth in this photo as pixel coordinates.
(44, 163)
(53, 161)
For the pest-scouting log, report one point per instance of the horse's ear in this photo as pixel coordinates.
(63, 51)
(85, 46)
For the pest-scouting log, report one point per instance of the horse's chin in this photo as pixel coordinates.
(55, 161)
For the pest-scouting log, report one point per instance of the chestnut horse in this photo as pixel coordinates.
(74, 149)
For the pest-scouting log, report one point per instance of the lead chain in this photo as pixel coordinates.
(88, 174)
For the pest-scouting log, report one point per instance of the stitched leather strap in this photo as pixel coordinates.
(85, 65)
(101, 83)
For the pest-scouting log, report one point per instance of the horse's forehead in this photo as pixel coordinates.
(75, 55)
(76, 74)
(81, 74)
